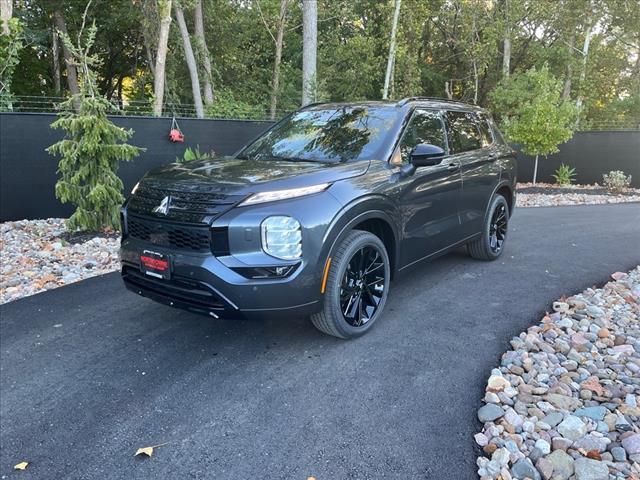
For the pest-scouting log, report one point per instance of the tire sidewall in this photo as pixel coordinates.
(333, 292)
(495, 202)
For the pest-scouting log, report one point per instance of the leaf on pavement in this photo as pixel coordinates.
(147, 451)
(21, 466)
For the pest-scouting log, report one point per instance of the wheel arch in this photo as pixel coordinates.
(370, 214)
(506, 190)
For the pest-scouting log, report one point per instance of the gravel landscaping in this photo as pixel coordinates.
(549, 195)
(564, 403)
(39, 255)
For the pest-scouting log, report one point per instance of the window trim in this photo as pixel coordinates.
(414, 111)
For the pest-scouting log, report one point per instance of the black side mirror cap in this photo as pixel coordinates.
(425, 154)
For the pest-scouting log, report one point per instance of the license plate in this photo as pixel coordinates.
(155, 264)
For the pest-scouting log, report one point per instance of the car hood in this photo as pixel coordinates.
(236, 176)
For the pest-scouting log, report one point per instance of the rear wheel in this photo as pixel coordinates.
(357, 287)
(494, 233)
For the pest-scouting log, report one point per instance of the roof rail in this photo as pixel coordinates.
(404, 101)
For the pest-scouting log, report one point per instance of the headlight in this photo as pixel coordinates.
(284, 194)
(281, 237)
(135, 188)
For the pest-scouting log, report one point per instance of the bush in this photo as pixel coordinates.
(564, 175)
(91, 149)
(616, 181)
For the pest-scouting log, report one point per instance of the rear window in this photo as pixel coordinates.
(463, 132)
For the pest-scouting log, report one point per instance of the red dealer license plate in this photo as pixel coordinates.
(155, 264)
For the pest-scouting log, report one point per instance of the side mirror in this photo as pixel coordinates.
(425, 154)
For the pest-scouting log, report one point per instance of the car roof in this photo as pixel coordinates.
(427, 102)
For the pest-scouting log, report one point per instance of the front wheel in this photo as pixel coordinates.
(357, 287)
(494, 232)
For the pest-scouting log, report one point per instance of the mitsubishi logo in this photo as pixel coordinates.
(163, 208)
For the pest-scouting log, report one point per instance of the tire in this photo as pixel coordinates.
(347, 276)
(490, 246)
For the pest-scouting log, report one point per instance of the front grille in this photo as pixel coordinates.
(167, 234)
(190, 204)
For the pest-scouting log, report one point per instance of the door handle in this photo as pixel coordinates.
(452, 167)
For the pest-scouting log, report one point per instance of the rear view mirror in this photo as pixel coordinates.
(425, 154)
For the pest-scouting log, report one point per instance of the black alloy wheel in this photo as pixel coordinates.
(357, 286)
(498, 228)
(363, 286)
(490, 244)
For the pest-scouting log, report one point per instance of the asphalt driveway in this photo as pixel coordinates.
(91, 372)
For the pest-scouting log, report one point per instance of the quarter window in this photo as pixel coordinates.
(485, 130)
(424, 127)
(463, 132)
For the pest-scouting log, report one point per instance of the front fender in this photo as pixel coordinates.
(359, 210)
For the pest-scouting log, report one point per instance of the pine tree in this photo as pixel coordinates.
(92, 148)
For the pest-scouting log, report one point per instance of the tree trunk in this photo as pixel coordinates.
(6, 12)
(568, 70)
(585, 55)
(506, 55)
(198, 20)
(392, 51)
(55, 49)
(506, 42)
(535, 170)
(309, 50)
(164, 10)
(191, 62)
(147, 47)
(275, 81)
(72, 73)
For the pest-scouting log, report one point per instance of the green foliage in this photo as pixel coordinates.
(457, 43)
(91, 150)
(616, 181)
(564, 175)
(227, 106)
(192, 154)
(10, 48)
(533, 112)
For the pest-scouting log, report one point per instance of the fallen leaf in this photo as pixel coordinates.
(21, 466)
(148, 451)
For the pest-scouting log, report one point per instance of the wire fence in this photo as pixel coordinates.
(46, 104)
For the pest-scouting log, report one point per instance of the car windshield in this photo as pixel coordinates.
(328, 134)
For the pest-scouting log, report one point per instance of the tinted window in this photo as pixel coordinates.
(327, 134)
(485, 130)
(463, 132)
(424, 127)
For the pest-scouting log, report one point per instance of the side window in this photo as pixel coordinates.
(463, 132)
(485, 130)
(424, 127)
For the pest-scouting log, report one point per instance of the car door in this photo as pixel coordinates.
(429, 198)
(472, 145)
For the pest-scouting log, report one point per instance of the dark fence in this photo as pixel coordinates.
(28, 173)
(591, 154)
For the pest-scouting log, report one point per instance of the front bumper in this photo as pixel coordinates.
(202, 283)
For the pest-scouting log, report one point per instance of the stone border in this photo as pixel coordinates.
(564, 403)
(550, 195)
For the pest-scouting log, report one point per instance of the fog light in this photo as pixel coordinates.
(282, 237)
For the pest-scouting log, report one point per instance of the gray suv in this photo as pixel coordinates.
(317, 215)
